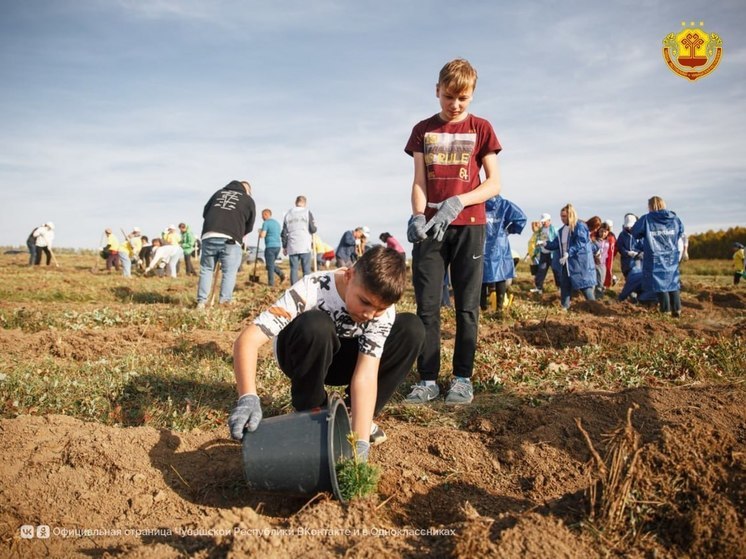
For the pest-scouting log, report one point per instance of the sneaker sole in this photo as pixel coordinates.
(464, 402)
(419, 402)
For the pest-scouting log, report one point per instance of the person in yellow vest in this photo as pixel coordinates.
(324, 252)
(110, 250)
(129, 251)
(172, 236)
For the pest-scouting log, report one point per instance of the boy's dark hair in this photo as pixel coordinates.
(383, 272)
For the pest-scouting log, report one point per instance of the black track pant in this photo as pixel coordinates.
(462, 249)
(312, 355)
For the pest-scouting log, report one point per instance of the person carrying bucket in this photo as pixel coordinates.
(338, 328)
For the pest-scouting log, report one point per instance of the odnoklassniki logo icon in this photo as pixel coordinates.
(692, 52)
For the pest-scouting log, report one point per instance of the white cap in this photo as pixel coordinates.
(545, 217)
(629, 220)
(172, 227)
(135, 229)
(49, 225)
(609, 223)
(366, 231)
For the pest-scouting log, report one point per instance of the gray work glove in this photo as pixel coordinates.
(362, 448)
(448, 210)
(246, 415)
(416, 229)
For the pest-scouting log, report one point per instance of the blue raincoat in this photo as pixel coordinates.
(660, 233)
(626, 243)
(581, 267)
(503, 218)
(633, 284)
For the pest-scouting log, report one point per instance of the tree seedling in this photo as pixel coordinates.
(356, 478)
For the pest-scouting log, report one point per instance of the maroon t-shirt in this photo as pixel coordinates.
(453, 158)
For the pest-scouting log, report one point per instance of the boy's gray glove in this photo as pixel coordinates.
(448, 210)
(362, 448)
(246, 415)
(416, 229)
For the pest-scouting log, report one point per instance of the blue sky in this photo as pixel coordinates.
(121, 113)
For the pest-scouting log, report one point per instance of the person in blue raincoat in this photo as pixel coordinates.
(572, 257)
(661, 232)
(633, 285)
(629, 248)
(503, 218)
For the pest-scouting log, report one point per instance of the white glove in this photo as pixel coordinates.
(361, 449)
(632, 253)
(563, 259)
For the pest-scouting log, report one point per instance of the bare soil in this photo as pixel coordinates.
(511, 482)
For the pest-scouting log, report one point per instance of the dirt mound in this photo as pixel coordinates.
(512, 483)
(92, 344)
(724, 298)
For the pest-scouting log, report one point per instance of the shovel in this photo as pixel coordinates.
(214, 288)
(254, 278)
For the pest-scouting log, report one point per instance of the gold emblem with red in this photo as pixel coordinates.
(692, 52)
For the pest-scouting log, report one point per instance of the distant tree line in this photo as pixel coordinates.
(715, 244)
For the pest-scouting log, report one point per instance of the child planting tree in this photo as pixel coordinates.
(336, 328)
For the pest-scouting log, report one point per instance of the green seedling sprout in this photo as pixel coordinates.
(355, 477)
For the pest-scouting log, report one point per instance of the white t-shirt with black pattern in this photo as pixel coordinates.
(319, 291)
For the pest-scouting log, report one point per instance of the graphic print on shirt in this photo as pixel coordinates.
(318, 291)
(277, 317)
(324, 282)
(449, 150)
(227, 200)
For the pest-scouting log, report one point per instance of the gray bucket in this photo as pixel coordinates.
(297, 452)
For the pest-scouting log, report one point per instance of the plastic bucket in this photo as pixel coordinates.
(297, 453)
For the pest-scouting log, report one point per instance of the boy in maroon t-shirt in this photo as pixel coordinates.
(448, 224)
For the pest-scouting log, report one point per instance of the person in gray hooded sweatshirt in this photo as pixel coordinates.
(297, 230)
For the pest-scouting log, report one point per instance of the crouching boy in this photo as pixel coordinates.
(338, 328)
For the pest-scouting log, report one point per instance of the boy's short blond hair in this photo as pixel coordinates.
(457, 76)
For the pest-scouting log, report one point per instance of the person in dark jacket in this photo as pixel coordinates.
(228, 216)
(572, 257)
(661, 232)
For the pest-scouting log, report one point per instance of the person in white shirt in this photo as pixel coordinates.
(169, 255)
(44, 236)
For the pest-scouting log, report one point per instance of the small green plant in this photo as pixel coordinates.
(356, 478)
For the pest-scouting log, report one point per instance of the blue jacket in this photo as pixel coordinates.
(503, 218)
(625, 244)
(580, 267)
(660, 232)
(633, 284)
(346, 248)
